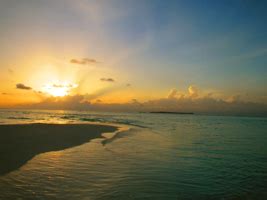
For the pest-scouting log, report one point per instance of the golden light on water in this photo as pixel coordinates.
(59, 89)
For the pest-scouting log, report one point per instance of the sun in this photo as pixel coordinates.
(57, 92)
(58, 89)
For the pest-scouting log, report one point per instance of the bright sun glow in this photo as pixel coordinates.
(59, 89)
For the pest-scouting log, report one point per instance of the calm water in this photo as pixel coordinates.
(160, 157)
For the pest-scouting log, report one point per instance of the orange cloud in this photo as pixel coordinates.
(193, 91)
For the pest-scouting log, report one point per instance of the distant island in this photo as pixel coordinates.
(178, 113)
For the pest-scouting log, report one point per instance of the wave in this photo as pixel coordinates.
(116, 121)
(18, 118)
(121, 133)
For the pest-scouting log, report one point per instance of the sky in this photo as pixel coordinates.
(128, 55)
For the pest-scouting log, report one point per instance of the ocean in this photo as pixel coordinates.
(160, 156)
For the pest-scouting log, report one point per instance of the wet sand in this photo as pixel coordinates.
(20, 143)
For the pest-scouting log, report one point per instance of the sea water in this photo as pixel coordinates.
(161, 156)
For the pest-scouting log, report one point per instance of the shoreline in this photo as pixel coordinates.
(19, 143)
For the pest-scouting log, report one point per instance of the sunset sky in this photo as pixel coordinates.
(134, 55)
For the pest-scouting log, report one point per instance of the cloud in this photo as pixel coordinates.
(234, 98)
(201, 105)
(172, 94)
(83, 61)
(136, 102)
(207, 105)
(63, 86)
(74, 102)
(107, 79)
(191, 101)
(22, 87)
(10, 71)
(128, 85)
(99, 93)
(38, 92)
(193, 91)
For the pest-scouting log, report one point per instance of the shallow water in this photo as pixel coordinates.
(161, 157)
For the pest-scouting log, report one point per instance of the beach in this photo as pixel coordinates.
(20, 143)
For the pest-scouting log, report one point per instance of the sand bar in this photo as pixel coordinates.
(20, 143)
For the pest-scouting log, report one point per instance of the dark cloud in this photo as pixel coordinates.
(83, 61)
(107, 79)
(22, 86)
(136, 102)
(128, 85)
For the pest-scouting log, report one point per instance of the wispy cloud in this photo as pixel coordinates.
(10, 71)
(83, 61)
(250, 55)
(21, 86)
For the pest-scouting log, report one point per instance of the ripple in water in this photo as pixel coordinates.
(175, 157)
